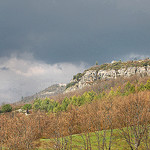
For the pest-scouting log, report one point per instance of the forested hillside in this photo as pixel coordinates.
(109, 110)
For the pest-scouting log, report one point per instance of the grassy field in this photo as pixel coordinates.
(86, 141)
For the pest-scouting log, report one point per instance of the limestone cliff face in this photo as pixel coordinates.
(92, 75)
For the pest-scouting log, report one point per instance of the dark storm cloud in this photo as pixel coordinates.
(75, 30)
(4, 69)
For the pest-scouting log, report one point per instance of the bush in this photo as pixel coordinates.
(141, 87)
(78, 76)
(70, 84)
(147, 85)
(37, 104)
(6, 108)
(27, 106)
(129, 88)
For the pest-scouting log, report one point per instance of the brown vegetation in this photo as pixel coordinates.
(18, 131)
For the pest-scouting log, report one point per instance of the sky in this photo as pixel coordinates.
(43, 42)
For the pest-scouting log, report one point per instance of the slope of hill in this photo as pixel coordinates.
(50, 91)
(96, 73)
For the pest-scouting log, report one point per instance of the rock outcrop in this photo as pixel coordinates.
(91, 75)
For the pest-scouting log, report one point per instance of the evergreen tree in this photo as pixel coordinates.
(96, 63)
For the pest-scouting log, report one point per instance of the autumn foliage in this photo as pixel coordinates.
(128, 113)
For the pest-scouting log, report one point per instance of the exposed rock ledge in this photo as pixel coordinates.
(92, 75)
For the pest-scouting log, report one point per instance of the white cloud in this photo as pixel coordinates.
(25, 76)
(134, 56)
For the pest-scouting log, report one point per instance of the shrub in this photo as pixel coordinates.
(129, 88)
(70, 84)
(27, 106)
(104, 67)
(147, 85)
(6, 108)
(47, 104)
(78, 76)
(65, 103)
(37, 104)
(141, 87)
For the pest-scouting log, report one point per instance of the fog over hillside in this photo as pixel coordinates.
(25, 77)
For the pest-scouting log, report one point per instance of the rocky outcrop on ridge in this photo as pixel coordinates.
(111, 71)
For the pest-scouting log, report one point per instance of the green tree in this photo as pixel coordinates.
(112, 92)
(37, 104)
(27, 107)
(118, 91)
(141, 87)
(89, 96)
(57, 108)
(6, 108)
(52, 105)
(81, 100)
(48, 105)
(65, 103)
(78, 76)
(45, 104)
(147, 85)
(129, 88)
(96, 63)
(74, 100)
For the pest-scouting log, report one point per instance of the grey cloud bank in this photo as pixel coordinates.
(72, 31)
(26, 77)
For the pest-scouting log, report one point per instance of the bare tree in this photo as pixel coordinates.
(134, 120)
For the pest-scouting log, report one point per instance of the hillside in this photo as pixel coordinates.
(50, 91)
(97, 73)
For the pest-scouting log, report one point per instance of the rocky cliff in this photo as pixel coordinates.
(109, 71)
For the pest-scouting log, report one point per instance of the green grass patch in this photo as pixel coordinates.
(87, 141)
